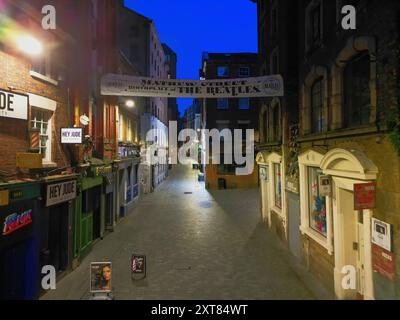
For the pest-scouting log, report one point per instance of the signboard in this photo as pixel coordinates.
(381, 234)
(364, 196)
(4, 198)
(29, 161)
(264, 173)
(71, 135)
(60, 192)
(324, 186)
(123, 85)
(16, 223)
(383, 262)
(16, 194)
(100, 277)
(138, 267)
(13, 105)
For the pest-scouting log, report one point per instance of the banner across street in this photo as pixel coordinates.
(122, 85)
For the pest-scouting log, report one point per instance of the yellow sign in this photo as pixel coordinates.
(4, 196)
(29, 160)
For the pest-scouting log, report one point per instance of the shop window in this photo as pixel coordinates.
(223, 71)
(129, 130)
(41, 120)
(357, 94)
(317, 100)
(317, 203)
(277, 185)
(121, 128)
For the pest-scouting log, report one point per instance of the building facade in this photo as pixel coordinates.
(229, 114)
(347, 94)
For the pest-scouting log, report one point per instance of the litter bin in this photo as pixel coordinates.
(221, 184)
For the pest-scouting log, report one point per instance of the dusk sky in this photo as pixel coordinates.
(190, 27)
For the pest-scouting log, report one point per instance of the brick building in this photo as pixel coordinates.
(229, 113)
(347, 83)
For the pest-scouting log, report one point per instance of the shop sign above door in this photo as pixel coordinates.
(13, 105)
(60, 192)
(122, 85)
(364, 196)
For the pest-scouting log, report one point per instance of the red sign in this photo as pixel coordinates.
(383, 261)
(364, 196)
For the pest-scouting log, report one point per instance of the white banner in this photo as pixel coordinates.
(13, 105)
(122, 85)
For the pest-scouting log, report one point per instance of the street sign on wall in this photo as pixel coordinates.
(381, 234)
(123, 85)
(71, 135)
(364, 196)
(13, 105)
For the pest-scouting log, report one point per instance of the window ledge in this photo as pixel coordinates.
(42, 77)
(345, 132)
(49, 164)
(321, 240)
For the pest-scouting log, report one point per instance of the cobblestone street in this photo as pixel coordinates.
(199, 246)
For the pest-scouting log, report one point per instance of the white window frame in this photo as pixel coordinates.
(273, 159)
(308, 159)
(48, 158)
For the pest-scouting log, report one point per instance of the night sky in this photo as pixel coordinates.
(190, 27)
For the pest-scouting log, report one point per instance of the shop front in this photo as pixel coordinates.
(109, 175)
(127, 178)
(19, 241)
(56, 219)
(337, 234)
(89, 222)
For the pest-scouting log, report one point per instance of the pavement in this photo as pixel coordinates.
(199, 245)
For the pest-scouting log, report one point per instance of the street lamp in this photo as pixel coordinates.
(29, 45)
(130, 103)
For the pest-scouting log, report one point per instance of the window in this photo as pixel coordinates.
(357, 95)
(314, 25)
(41, 120)
(275, 62)
(129, 130)
(277, 185)
(244, 72)
(317, 204)
(222, 104)
(274, 21)
(121, 128)
(222, 72)
(244, 103)
(317, 98)
(277, 123)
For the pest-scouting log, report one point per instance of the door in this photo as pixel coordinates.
(264, 192)
(360, 255)
(294, 224)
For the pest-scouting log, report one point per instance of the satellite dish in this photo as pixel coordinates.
(84, 120)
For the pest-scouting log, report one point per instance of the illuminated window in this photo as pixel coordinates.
(244, 103)
(317, 204)
(223, 71)
(41, 119)
(277, 185)
(222, 104)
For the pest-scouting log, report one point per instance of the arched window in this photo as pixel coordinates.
(277, 123)
(317, 101)
(265, 121)
(357, 93)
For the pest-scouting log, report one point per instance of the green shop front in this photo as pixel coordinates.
(89, 211)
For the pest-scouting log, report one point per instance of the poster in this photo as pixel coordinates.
(123, 85)
(100, 277)
(71, 135)
(138, 264)
(383, 262)
(381, 234)
(364, 196)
